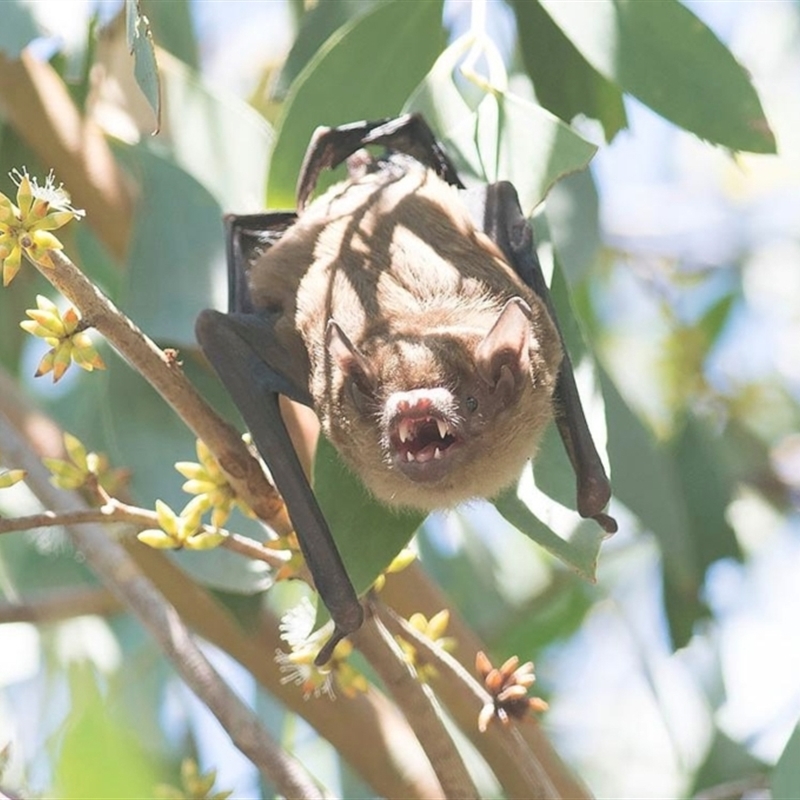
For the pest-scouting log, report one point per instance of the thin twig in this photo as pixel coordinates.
(419, 705)
(166, 376)
(411, 590)
(110, 562)
(537, 782)
(116, 512)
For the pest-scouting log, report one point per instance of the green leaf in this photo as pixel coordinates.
(368, 534)
(141, 47)
(17, 29)
(707, 491)
(666, 57)
(366, 70)
(149, 438)
(176, 255)
(726, 762)
(785, 779)
(580, 551)
(646, 478)
(502, 136)
(572, 213)
(565, 83)
(316, 25)
(172, 28)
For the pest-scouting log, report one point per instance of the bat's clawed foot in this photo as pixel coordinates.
(594, 492)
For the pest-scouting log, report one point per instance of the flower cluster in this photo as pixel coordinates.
(432, 629)
(25, 227)
(84, 469)
(66, 336)
(508, 686)
(184, 530)
(209, 484)
(298, 667)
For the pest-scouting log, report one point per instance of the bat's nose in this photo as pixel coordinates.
(418, 401)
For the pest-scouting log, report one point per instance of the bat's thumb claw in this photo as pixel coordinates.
(352, 621)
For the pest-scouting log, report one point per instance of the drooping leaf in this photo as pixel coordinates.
(707, 490)
(368, 534)
(726, 762)
(565, 83)
(503, 136)
(645, 478)
(666, 57)
(216, 137)
(141, 47)
(366, 70)
(316, 25)
(172, 28)
(579, 552)
(98, 756)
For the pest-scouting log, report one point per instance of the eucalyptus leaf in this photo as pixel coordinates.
(368, 534)
(176, 260)
(141, 47)
(666, 57)
(366, 70)
(564, 81)
(579, 552)
(501, 136)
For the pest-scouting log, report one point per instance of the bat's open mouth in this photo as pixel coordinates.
(421, 446)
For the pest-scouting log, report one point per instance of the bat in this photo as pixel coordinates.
(412, 315)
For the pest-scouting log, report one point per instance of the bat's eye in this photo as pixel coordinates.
(471, 403)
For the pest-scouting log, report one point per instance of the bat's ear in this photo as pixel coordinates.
(503, 357)
(350, 360)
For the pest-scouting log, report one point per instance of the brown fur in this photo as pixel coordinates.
(397, 263)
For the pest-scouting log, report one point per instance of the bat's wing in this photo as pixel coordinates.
(408, 134)
(496, 210)
(255, 368)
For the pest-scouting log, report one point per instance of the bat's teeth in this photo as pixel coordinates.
(404, 430)
(443, 428)
(437, 454)
(409, 456)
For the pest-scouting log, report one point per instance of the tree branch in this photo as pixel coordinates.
(109, 560)
(116, 512)
(367, 729)
(527, 778)
(419, 705)
(167, 378)
(411, 590)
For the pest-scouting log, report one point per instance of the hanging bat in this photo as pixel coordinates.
(412, 315)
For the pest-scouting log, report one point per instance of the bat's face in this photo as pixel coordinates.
(431, 421)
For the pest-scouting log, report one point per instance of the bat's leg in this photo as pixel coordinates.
(408, 134)
(496, 209)
(246, 235)
(239, 346)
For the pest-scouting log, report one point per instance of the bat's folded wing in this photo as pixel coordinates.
(243, 350)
